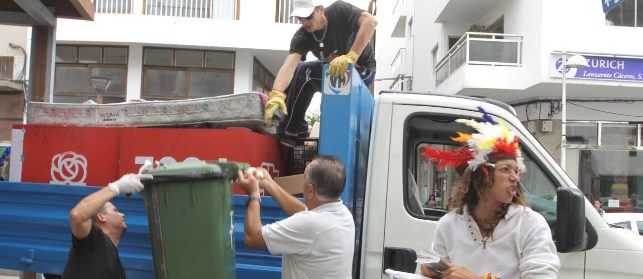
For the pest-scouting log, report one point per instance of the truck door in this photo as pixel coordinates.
(410, 220)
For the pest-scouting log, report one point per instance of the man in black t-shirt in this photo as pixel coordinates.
(97, 227)
(338, 34)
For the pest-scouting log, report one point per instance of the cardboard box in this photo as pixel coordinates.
(293, 184)
(314, 131)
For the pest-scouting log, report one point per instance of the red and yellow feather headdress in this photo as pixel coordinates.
(492, 139)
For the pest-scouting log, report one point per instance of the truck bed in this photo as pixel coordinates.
(35, 234)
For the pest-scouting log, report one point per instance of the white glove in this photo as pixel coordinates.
(129, 183)
(147, 166)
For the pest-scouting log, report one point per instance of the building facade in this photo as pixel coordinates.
(13, 59)
(512, 51)
(162, 50)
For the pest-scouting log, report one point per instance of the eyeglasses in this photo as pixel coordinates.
(308, 17)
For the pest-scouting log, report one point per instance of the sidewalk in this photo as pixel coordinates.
(13, 274)
(9, 274)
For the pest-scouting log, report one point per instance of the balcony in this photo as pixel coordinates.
(400, 12)
(463, 10)
(397, 66)
(214, 9)
(282, 15)
(487, 49)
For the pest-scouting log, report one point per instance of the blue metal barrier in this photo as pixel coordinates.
(347, 112)
(35, 234)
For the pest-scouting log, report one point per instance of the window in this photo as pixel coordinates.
(185, 73)
(627, 13)
(609, 158)
(452, 41)
(608, 174)
(498, 26)
(262, 78)
(618, 134)
(424, 178)
(434, 56)
(582, 133)
(76, 63)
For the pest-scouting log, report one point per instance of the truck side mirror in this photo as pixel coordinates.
(570, 220)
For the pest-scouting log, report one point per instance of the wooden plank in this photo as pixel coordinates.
(85, 8)
(38, 11)
(16, 18)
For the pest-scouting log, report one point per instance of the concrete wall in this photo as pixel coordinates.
(254, 34)
(17, 35)
(546, 26)
(12, 100)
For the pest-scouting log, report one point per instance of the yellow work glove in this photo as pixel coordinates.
(277, 100)
(339, 65)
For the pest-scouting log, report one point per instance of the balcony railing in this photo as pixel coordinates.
(399, 60)
(399, 4)
(284, 8)
(217, 9)
(473, 48)
(113, 6)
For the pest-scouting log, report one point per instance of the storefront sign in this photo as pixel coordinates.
(602, 68)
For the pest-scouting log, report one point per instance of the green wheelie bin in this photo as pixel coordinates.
(190, 216)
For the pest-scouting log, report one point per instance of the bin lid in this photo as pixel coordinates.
(192, 171)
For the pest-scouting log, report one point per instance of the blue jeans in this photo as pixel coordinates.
(305, 82)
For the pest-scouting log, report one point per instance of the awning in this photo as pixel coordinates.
(44, 12)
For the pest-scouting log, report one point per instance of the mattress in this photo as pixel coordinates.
(244, 110)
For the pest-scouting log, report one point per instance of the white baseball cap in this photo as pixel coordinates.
(303, 8)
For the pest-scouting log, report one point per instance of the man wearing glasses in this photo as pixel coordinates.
(317, 240)
(339, 34)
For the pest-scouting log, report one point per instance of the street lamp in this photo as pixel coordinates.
(100, 85)
(578, 62)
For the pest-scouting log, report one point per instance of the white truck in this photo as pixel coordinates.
(379, 140)
(396, 224)
(395, 218)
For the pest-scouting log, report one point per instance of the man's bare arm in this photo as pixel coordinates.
(286, 72)
(367, 24)
(286, 201)
(80, 215)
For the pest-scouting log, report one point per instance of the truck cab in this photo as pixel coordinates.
(397, 222)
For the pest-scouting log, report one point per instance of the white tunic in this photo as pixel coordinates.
(318, 243)
(521, 247)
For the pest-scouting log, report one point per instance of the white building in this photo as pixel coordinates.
(158, 49)
(426, 46)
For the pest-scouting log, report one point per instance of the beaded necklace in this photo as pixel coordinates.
(486, 231)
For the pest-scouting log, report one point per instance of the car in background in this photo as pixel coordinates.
(630, 221)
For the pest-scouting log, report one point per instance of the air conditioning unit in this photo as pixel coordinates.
(6, 67)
